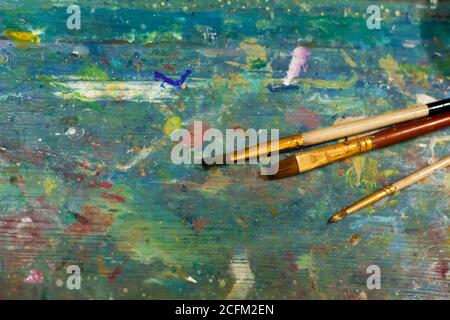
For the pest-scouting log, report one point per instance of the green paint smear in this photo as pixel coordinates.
(258, 63)
(92, 72)
(364, 171)
(331, 84)
(305, 262)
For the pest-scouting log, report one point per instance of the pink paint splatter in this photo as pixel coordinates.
(34, 277)
(302, 116)
(299, 63)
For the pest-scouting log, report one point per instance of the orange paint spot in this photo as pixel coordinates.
(355, 239)
(340, 171)
(198, 225)
(100, 262)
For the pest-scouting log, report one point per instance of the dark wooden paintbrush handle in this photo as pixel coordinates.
(410, 130)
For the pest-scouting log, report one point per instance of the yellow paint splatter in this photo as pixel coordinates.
(348, 59)
(393, 71)
(419, 74)
(390, 173)
(22, 37)
(381, 240)
(49, 185)
(256, 54)
(234, 82)
(447, 180)
(214, 183)
(172, 124)
(329, 84)
(393, 202)
(363, 171)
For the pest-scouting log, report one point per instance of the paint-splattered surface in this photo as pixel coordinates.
(86, 176)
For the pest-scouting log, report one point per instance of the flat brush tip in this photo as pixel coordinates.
(286, 168)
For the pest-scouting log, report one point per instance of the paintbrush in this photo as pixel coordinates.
(343, 130)
(315, 158)
(391, 189)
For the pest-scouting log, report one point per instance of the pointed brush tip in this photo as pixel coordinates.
(330, 220)
(337, 217)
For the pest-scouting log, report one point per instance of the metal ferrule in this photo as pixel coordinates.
(369, 200)
(319, 157)
(286, 143)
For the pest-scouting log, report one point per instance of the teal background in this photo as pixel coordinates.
(157, 230)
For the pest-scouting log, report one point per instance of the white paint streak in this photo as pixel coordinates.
(117, 90)
(190, 279)
(436, 140)
(142, 155)
(424, 98)
(243, 275)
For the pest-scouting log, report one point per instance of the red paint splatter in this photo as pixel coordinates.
(34, 277)
(441, 268)
(302, 116)
(104, 185)
(199, 225)
(113, 275)
(113, 197)
(90, 220)
(292, 266)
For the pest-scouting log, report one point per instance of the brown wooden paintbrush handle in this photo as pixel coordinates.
(338, 131)
(409, 130)
(319, 157)
(343, 130)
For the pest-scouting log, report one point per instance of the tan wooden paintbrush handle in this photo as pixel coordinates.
(364, 125)
(343, 130)
(391, 189)
(423, 173)
(319, 157)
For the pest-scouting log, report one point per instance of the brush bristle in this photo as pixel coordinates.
(286, 168)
